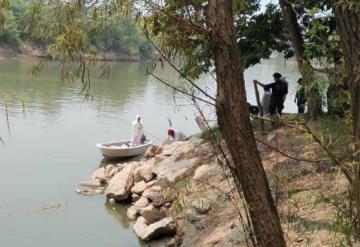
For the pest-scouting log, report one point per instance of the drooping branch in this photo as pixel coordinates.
(192, 96)
(175, 68)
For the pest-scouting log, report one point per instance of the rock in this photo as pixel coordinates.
(89, 192)
(137, 176)
(153, 151)
(237, 237)
(164, 242)
(154, 194)
(135, 197)
(191, 215)
(92, 183)
(99, 174)
(139, 187)
(111, 170)
(121, 184)
(140, 228)
(105, 173)
(112, 201)
(132, 213)
(152, 214)
(173, 169)
(203, 172)
(150, 184)
(181, 146)
(146, 172)
(163, 227)
(271, 137)
(141, 203)
(202, 205)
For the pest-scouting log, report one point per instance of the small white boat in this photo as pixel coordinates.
(122, 149)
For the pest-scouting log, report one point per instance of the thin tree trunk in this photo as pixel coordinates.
(348, 28)
(314, 98)
(234, 122)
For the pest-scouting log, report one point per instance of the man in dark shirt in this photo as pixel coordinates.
(279, 90)
(300, 98)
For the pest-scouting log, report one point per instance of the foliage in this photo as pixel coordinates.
(8, 29)
(259, 35)
(215, 131)
(96, 29)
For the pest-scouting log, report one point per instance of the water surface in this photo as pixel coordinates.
(50, 146)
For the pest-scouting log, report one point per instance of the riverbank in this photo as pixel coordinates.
(180, 193)
(27, 51)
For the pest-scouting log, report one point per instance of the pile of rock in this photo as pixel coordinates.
(146, 183)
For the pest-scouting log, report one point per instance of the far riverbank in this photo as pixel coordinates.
(27, 51)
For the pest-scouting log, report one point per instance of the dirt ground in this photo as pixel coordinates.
(306, 195)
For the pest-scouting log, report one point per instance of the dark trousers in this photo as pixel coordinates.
(276, 106)
(301, 109)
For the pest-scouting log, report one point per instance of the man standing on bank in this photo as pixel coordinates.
(279, 90)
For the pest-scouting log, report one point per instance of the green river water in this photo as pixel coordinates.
(50, 146)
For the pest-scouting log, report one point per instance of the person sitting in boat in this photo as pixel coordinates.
(137, 131)
(176, 135)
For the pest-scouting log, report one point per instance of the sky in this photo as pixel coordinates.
(264, 2)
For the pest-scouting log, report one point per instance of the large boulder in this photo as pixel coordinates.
(99, 174)
(181, 146)
(153, 151)
(132, 213)
(105, 173)
(203, 172)
(141, 203)
(121, 184)
(140, 228)
(202, 205)
(146, 172)
(146, 232)
(139, 187)
(174, 168)
(164, 227)
(137, 166)
(152, 214)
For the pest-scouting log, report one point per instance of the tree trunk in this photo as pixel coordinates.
(348, 28)
(313, 95)
(234, 122)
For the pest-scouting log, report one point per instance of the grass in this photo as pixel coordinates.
(207, 134)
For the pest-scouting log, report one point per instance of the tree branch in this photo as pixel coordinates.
(179, 90)
(176, 69)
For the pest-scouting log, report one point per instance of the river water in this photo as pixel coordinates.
(50, 132)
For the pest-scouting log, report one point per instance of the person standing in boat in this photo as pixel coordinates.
(137, 131)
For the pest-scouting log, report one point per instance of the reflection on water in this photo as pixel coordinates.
(118, 212)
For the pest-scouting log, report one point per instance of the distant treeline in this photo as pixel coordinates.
(24, 22)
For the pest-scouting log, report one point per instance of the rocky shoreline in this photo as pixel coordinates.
(166, 193)
(178, 194)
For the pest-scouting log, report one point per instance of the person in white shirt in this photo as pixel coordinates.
(176, 135)
(137, 131)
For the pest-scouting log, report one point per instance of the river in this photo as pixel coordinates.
(50, 132)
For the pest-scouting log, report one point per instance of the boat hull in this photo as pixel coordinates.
(117, 149)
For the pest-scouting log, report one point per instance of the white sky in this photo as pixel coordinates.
(264, 2)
